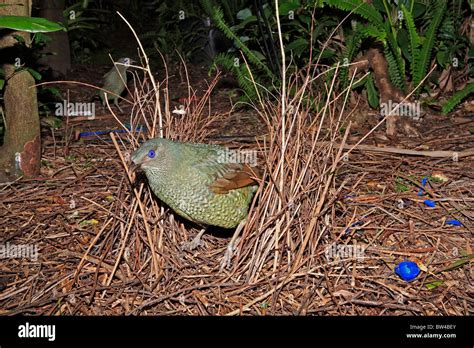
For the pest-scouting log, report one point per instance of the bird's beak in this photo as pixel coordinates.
(132, 169)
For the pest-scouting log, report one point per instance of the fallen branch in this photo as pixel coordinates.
(465, 153)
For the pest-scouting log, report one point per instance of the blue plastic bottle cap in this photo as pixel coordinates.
(407, 270)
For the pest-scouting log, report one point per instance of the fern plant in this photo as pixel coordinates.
(241, 73)
(381, 27)
(233, 63)
(218, 17)
(458, 97)
(376, 29)
(422, 60)
(254, 34)
(354, 42)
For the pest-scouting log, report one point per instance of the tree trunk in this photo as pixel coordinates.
(21, 152)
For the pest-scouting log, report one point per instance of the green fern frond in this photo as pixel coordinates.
(374, 32)
(215, 12)
(396, 63)
(224, 60)
(354, 42)
(241, 73)
(457, 98)
(415, 41)
(363, 9)
(396, 76)
(372, 95)
(427, 47)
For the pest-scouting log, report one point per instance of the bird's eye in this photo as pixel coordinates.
(151, 153)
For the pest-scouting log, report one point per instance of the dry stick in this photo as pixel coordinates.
(178, 292)
(319, 207)
(283, 105)
(152, 79)
(130, 223)
(94, 260)
(454, 154)
(262, 297)
(142, 210)
(283, 135)
(84, 257)
(166, 98)
(390, 113)
(326, 106)
(83, 84)
(288, 279)
(95, 87)
(101, 207)
(187, 75)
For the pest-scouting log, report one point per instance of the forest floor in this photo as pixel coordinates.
(71, 218)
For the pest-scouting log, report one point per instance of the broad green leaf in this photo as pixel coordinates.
(305, 19)
(244, 14)
(297, 46)
(404, 43)
(287, 6)
(29, 24)
(259, 55)
(459, 263)
(19, 38)
(327, 53)
(418, 9)
(360, 82)
(372, 94)
(434, 284)
(34, 73)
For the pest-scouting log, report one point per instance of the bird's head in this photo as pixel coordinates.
(154, 154)
(125, 62)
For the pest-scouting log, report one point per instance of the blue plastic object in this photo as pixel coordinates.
(357, 223)
(453, 222)
(139, 128)
(407, 270)
(423, 183)
(429, 203)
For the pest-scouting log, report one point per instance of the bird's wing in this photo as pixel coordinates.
(226, 176)
(108, 73)
(234, 176)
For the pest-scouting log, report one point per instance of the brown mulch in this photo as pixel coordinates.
(76, 216)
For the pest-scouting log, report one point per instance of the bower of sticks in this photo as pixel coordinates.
(327, 227)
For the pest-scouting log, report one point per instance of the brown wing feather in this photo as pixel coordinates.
(235, 176)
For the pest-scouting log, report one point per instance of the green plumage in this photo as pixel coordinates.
(115, 82)
(181, 175)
